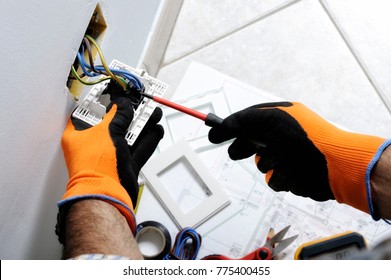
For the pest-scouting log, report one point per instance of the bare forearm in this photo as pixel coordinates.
(381, 185)
(95, 226)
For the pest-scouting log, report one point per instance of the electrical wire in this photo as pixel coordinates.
(187, 245)
(102, 59)
(87, 69)
(85, 82)
(84, 65)
(91, 70)
(89, 53)
(126, 74)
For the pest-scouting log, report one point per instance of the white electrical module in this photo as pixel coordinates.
(91, 108)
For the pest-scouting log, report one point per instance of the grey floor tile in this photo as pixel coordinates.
(202, 21)
(366, 26)
(296, 54)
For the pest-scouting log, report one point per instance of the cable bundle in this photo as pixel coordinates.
(186, 246)
(122, 77)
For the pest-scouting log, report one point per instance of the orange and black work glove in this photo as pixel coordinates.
(303, 153)
(100, 163)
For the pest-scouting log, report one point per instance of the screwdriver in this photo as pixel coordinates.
(210, 119)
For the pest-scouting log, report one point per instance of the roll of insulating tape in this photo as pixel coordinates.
(153, 239)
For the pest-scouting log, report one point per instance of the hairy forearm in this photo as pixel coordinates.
(381, 185)
(97, 227)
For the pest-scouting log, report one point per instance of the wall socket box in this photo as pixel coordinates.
(92, 104)
(96, 29)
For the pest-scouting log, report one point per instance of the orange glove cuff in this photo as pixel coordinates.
(93, 186)
(348, 156)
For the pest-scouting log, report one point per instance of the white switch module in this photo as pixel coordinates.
(91, 110)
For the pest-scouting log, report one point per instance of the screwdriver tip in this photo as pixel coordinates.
(147, 95)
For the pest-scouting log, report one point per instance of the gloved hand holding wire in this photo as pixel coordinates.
(100, 163)
(303, 153)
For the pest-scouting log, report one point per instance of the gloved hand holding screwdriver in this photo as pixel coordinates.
(308, 156)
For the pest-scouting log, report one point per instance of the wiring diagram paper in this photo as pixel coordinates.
(243, 225)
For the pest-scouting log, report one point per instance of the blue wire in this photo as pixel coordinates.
(83, 66)
(180, 249)
(129, 76)
(126, 74)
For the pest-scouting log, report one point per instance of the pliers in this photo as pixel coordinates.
(274, 246)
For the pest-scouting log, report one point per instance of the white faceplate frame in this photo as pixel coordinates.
(214, 203)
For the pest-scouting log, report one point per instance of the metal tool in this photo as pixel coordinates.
(210, 119)
(274, 246)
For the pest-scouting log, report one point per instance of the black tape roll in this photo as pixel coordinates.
(145, 229)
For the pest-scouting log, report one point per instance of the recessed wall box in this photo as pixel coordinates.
(96, 29)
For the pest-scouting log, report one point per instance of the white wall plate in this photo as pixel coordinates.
(184, 186)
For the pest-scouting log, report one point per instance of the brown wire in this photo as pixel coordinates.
(88, 46)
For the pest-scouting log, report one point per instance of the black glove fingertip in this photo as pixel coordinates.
(241, 149)
(268, 160)
(156, 116)
(278, 182)
(216, 136)
(144, 147)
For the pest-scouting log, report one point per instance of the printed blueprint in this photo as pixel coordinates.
(243, 225)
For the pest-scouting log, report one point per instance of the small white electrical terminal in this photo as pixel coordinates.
(91, 110)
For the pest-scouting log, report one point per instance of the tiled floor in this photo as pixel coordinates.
(332, 55)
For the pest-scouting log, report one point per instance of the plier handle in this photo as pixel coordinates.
(272, 248)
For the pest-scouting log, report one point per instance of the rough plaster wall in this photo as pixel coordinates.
(38, 44)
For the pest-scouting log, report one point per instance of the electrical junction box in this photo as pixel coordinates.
(96, 29)
(92, 106)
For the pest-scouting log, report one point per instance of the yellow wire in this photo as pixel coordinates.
(74, 72)
(85, 82)
(104, 62)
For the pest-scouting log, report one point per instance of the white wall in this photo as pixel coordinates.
(38, 44)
